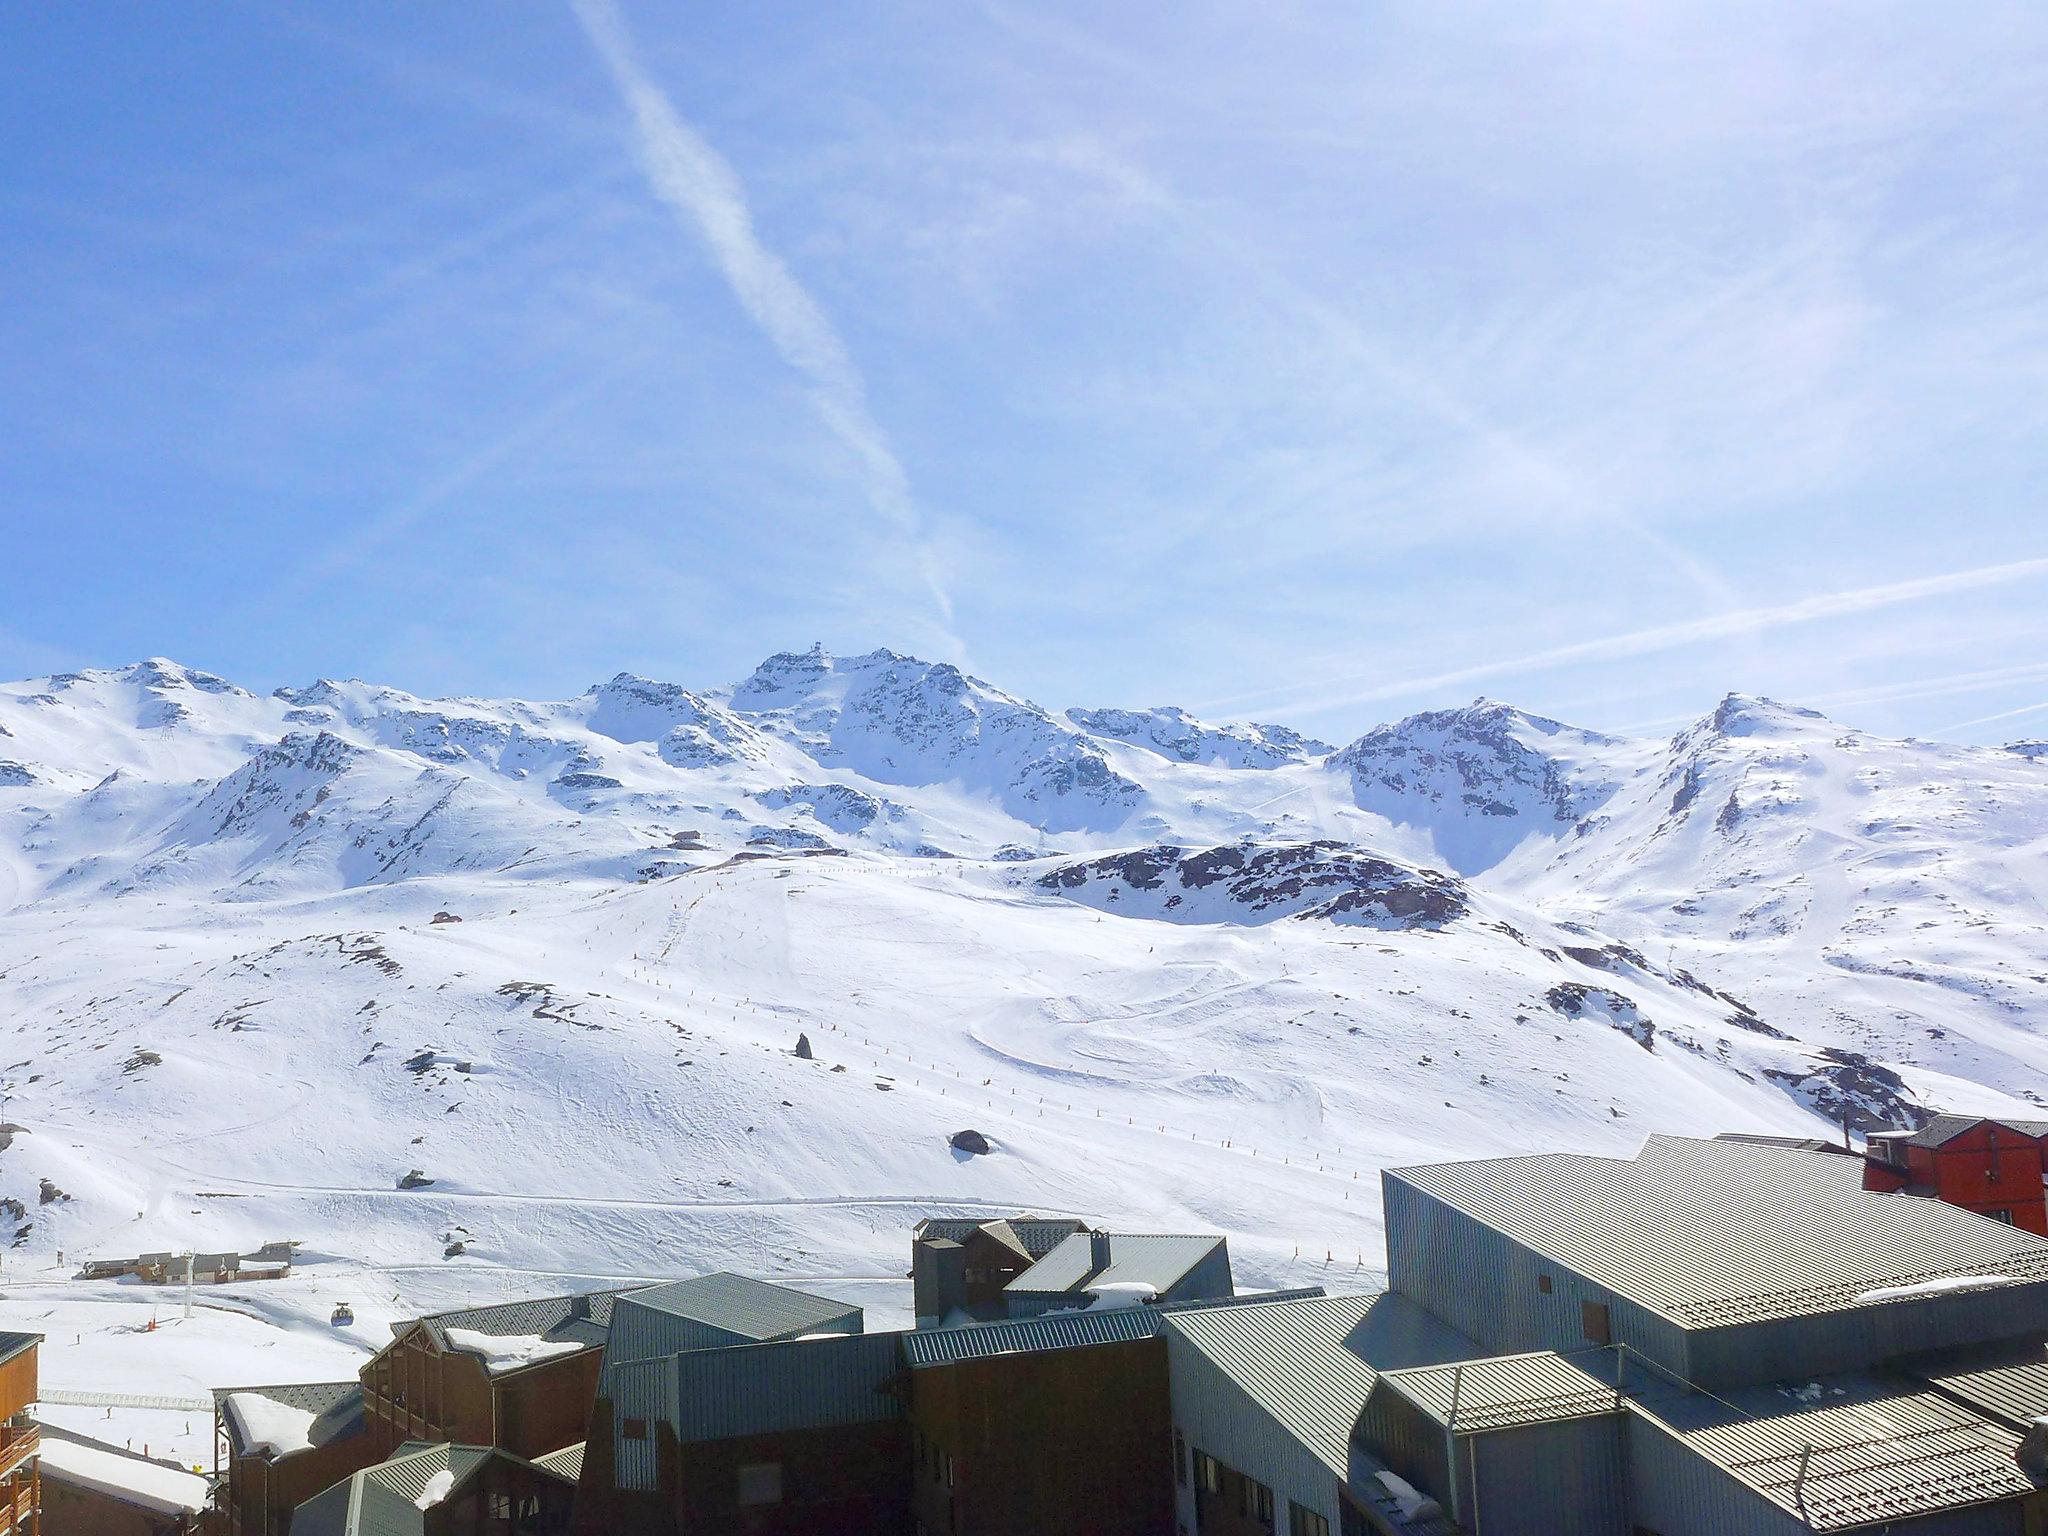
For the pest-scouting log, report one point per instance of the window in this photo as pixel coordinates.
(1262, 1505)
(2004, 1216)
(1180, 1458)
(1208, 1473)
(1543, 1284)
(501, 1506)
(634, 1429)
(1593, 1322)
(1305, 1522)
(760, 1483)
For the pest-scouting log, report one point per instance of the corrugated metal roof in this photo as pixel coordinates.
(336, 1406)
(1075, 1329)
(1789, 1143)
(1885, 1451)
(1310, 1364)
(12, 1344)
(582, 1318)
(1002, 1232)
(1943, 1129)
(1055, 1330)
(1501, 1391)
(1159, 1260)
(2008, 1381)
(380, 1500)
(567, 1463)
(1038, 1234)
(757, 1389)
(1711, 1232)
(755, 1309)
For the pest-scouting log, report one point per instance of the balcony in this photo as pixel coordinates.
(19, 1439)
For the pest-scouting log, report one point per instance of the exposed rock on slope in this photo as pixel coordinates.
(1246, 883)
(1481, 779)
(897, 720)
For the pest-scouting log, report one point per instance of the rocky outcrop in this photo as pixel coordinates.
(1257, 883)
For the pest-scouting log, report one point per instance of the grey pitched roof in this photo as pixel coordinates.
(382, 1500)
(1503, 1390)
(567, 1463)
(584, 1318)
(1709, 1233)
(1789, 1143)
(2009, 1381)
(1071, 1329)
(1311, 1363)
(1864, 1449)
(1943, 1129)
(336, 1406)
(1056, 1330)
(1160, 1260)
(1002, 1232)
(755, 1309)
(1039, 1235)
(12, 1344)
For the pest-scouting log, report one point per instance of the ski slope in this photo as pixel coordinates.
(267, 959)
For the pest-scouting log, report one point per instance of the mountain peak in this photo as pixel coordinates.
(154, 674)
(1745, 714)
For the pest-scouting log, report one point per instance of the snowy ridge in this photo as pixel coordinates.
(307, 964)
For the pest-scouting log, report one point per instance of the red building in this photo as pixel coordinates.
(1993, 1167)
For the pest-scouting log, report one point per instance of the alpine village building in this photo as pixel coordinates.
(1709, 1338)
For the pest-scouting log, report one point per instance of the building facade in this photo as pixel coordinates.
(21, 1489)
(277, 1446)
(520, 1377)
(1996, 1168)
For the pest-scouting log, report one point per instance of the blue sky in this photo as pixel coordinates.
(1307, 362)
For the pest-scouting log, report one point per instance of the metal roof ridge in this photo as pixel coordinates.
(1263, 1299)
(1525, 1157)
(274, 1386)
(530, 1301)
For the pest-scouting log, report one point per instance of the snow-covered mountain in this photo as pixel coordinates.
(265, 958)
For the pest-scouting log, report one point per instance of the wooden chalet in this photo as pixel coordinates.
(519, 1377)
(275, 1447)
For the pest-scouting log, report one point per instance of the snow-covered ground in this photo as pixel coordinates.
(266, 960)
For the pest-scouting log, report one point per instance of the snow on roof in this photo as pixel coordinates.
(134, 1480)
(265, 1424)
(1935, 1287)
(435, 1490)
(1121, 1293)
(509, 1351)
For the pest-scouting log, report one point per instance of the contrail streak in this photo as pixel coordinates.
(1664, 637)
(700, 187)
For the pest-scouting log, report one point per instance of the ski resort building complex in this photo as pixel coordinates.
(1710, 1338)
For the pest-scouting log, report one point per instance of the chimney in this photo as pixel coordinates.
(1098, 1253)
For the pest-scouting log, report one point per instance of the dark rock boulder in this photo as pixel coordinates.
(973, 1143)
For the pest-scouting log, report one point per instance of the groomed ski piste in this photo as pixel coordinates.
(478, 1000)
